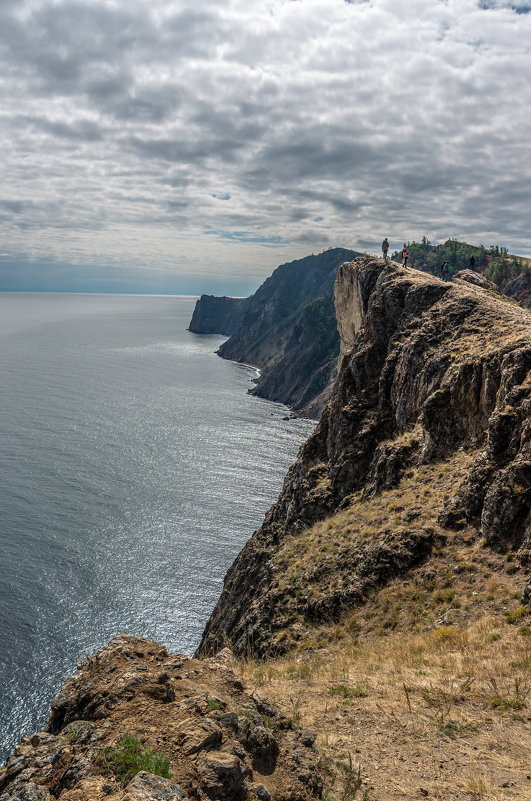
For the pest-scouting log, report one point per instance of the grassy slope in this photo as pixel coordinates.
(425, 690)
(494, 263)
(427, 686)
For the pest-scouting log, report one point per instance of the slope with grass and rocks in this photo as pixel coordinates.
(288, 330)
(427, 432)
(386, 601)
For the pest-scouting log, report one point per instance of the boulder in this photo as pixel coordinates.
(222, 776)
(147, 787)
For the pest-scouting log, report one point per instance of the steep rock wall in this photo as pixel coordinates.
(288, 330)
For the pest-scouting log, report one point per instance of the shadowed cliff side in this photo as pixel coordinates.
(214, 315)
(433, 395)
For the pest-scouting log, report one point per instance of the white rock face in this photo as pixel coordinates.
(349, 307)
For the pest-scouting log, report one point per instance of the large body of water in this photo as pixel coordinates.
(134, 466)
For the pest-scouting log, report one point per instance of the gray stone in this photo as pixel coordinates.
(526, 597)
(260, 743)
(222, 776)
(26, 792)
(260, 792)
(199, 735)
(147, 787)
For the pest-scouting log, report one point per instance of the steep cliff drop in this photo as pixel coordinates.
(428, 429)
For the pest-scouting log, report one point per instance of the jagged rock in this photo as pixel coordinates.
(200, 735)
(260, 792)
(427, 368)
(475, 278)
(212, 733)
(260, 744)
(223, 776)
(27, 792)
(147, 787)
(526, 596)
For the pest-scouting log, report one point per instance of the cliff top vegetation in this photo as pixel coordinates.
(511, 274)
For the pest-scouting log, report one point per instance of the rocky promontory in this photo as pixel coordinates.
(217, 315)
(384, 604)
(432, 400)
(136, 723)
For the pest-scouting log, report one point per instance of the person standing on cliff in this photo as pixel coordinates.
(444, 271)
(404, 257)
(472, 263)
(385, 247)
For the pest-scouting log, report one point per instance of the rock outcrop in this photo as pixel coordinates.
(223, 742)
(431, 373)
(215, 315)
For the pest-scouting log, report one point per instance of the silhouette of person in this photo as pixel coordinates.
(472, 262)
(404, 257)
(385, 247)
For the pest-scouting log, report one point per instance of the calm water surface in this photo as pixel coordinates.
(133, 468)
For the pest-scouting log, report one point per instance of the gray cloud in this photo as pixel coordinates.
(130, 128)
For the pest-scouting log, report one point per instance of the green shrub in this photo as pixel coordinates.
(129, 757)
(509, 702)
(516, 614)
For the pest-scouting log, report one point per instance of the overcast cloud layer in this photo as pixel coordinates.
(222, 137)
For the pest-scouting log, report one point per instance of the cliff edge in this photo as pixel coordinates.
(427, 430)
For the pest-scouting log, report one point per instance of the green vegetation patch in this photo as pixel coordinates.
(509, 702)
(129, 757)
(453, 730)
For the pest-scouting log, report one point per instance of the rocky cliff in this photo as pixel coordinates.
(428, 429)
(136, 723)
(214, 315)
(393, 572)
(288, 330)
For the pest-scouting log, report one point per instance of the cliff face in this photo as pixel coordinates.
(219, 741)
(213, 315)
(287, 329)
(433, 396)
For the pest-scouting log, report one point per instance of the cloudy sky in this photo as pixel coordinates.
(171, 145)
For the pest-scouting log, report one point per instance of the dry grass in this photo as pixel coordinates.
(307, 560)
(416, 711)
(427, 686)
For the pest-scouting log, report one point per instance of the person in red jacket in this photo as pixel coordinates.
(404, 257)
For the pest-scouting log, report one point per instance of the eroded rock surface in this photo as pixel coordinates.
(224, 743)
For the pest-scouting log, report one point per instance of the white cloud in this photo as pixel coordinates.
(128, 129)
